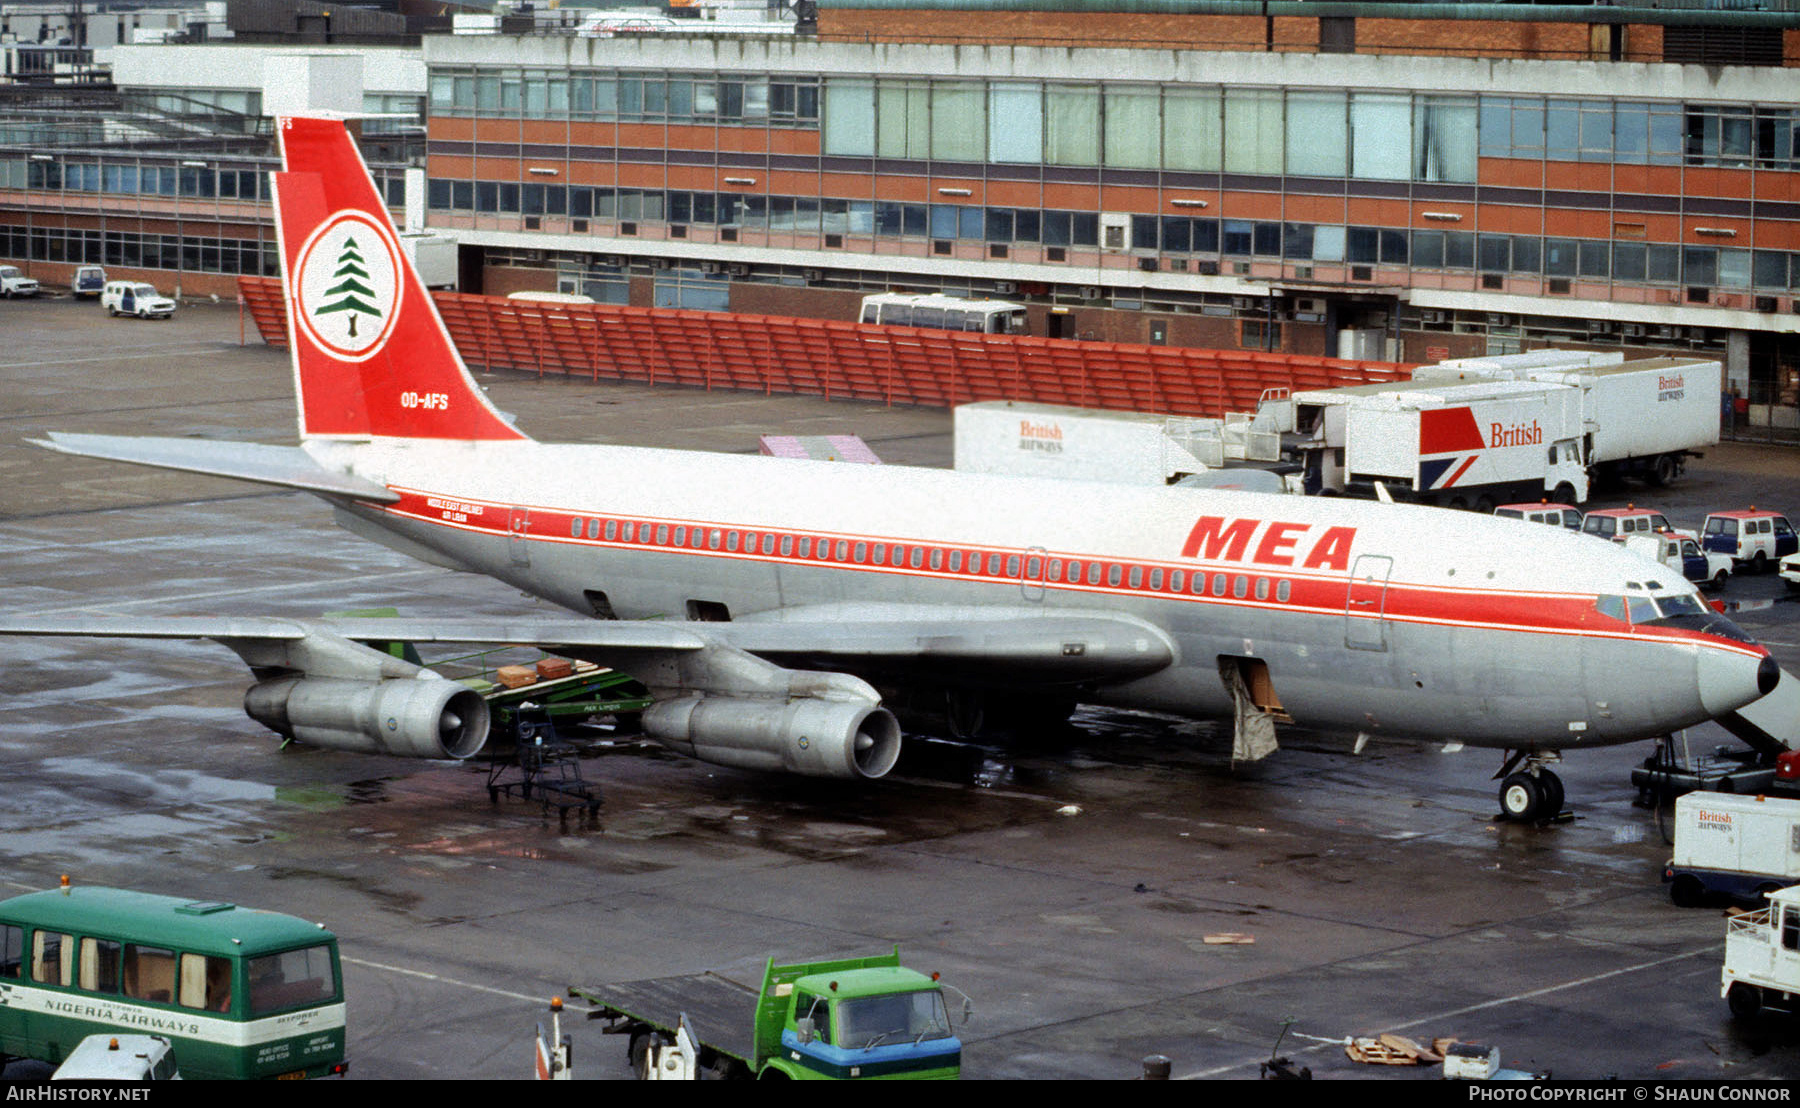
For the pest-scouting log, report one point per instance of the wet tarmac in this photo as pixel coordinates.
(1067, 882)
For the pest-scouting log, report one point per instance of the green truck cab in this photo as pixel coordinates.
(851, 1018)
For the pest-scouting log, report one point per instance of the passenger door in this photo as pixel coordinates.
(1365, 603)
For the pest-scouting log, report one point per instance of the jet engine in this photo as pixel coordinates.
(811, 736)
(405, 717)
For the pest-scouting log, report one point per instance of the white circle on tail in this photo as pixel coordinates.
(348, 286)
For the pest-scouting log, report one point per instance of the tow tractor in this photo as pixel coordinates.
(846, 1018)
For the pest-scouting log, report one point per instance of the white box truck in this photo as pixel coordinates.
(1643, 418)
(1474, 444)
(1084, 444)
(1740, 847)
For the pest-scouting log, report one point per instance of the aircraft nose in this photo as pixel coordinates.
(1729, 680)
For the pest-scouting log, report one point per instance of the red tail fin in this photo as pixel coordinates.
(371, 355)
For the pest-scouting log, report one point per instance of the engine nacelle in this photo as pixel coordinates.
(807, 735)
(407, 718)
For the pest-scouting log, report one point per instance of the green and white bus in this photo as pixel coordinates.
(240, 993)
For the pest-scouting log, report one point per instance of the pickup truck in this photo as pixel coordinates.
(1683, 555)
(13, 282)
(844, 1018)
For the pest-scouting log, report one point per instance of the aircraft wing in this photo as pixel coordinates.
(1004, 644)
(285, 466)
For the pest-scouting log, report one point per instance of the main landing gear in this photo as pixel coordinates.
(1530, 792)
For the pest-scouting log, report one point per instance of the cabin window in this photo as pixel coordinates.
(1240, 586)
(1034, 567)
(1218, 584)
(768, 543)
(681, 536)
(1054, 570)
(878, 554)
(1137, 577)
(1156, 580)
(1176, 579)
(1198, 585)
(99, 965)
(1284, 590)
(975, 563)
(862, 553)
(805, 548)
(52, 955)
(1074, 573)
(575, 528)
(994, 561)
(731, 541)
(787, 546)
(956, 561)
(715, 539)
(1114, 573)
(12, 951)
(149, 973)
(843, 549)
(1093, 577)
(612, 530)
(1262, 588)
(593, 528)
(206, 982)
(662, 534)
(937, 558)
(918, 557)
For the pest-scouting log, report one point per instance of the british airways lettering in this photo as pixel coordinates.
(1516, 435)
(1277, 544)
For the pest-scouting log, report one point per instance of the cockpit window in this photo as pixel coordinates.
(1612, 607)
(1642, 609)
(1683, 604)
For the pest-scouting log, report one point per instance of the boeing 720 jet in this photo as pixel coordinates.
(764, 601)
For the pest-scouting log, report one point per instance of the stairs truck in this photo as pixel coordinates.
(1478, 432)
(847, 1018)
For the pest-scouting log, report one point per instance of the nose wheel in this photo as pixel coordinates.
(1531, 792)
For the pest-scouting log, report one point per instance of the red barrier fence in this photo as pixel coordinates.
(891, 365)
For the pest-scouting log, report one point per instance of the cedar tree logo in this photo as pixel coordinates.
(349, 286)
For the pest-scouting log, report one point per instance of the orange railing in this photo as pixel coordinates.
(833, 359)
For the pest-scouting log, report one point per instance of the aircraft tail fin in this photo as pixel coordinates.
(372, 357)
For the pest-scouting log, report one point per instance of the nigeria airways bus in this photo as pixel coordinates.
(239, 993)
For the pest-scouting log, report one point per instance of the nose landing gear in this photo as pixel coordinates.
(1530, 792)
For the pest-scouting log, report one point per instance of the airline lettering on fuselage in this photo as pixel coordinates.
(1277, 544)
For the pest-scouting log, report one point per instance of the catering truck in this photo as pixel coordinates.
(845, 1018)
(1741, 847)
(1478, 432)
(1028, 439)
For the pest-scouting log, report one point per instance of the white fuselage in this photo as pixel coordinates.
(1387, 619)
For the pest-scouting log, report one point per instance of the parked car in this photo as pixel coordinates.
(13, 282)
(1790, 570)
(89, 280)
(1759, 539)
(1556, 515)
(136, 298)
(1619, 524)
(1683, 555)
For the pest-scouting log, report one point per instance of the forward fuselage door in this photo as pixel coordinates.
(1365, 604)
(519, 536)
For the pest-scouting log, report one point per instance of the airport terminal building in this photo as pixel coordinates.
(1402, 181)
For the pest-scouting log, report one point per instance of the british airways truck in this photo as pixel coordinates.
(1479, 432)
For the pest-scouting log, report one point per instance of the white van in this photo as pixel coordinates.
(135, 298)
(111, 1057)
(88, 281)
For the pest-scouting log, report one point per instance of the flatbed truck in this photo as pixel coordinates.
(867, 1017)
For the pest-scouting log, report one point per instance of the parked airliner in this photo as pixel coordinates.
(765, 601)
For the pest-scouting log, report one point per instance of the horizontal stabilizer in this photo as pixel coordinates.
(284, 466)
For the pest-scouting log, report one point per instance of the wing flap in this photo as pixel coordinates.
(284, 466)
